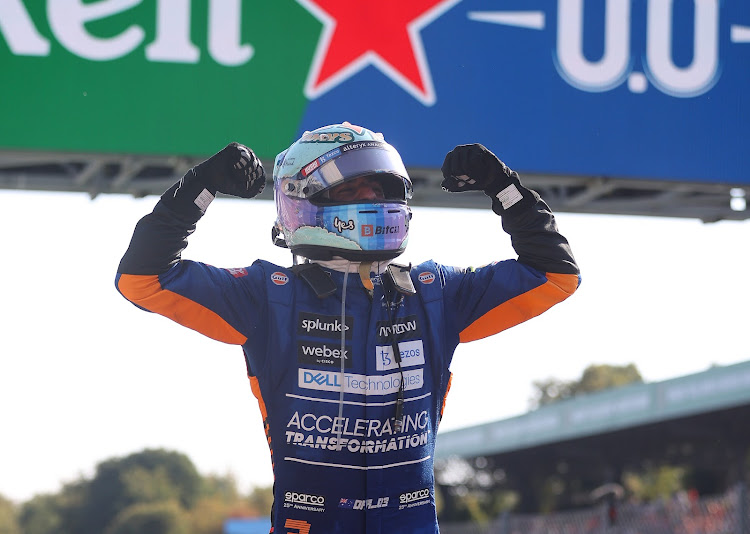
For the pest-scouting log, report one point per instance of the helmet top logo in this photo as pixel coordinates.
(327, 137)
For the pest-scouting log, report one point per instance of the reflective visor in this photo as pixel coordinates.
(344, 163)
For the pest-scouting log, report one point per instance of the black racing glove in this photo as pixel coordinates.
(475, 168)
(235, 170)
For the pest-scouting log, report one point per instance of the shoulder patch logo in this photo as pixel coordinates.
(237, 272)
(279, 278)
(426, 277)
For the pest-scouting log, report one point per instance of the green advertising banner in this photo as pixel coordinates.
(153, 77)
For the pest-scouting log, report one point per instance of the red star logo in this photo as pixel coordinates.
(382, 33)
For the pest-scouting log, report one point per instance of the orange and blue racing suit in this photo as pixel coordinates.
(351, 427)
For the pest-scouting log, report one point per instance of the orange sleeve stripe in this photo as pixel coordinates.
(255, 387)
(146, 291)
(445, 397)
(557, 288)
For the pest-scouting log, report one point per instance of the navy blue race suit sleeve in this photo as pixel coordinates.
(493, 298)
(223, 304)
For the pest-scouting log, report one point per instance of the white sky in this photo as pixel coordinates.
(85, 376)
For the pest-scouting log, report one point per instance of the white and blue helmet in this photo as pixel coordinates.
(312, 225)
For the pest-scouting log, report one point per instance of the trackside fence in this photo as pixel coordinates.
(722, 514)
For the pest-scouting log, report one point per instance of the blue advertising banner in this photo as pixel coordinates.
(644, 89)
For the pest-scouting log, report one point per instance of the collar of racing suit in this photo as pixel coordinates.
(342, 265)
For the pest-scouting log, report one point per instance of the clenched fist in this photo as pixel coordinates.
(235, 170)
(472, 168)
(475, 168)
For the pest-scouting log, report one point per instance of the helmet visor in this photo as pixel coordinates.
(348, 162)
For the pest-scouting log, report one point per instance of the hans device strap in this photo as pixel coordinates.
(319, 280)
(401, 279)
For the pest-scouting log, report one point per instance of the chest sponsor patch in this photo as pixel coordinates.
(359, 384)
(412, 353)
(328, 354)
(327, 326)
(351, 435)
(403, 328)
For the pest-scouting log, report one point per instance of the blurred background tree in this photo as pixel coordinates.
(41, 515)
(159, 517)
(154, 491)
(594, 378)
(153, 475)
(8, 517)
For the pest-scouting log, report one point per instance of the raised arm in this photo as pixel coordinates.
(502, 295)
(152, 275)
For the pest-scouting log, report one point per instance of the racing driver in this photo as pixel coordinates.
(348, 353)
